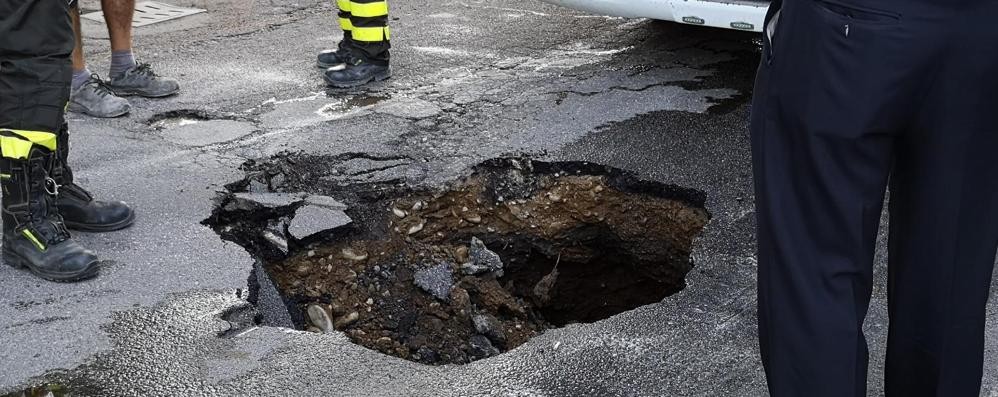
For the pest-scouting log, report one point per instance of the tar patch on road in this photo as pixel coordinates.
(469, 271)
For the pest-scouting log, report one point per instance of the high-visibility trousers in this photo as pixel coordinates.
(365, 28)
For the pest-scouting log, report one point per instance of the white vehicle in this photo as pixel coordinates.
(728, 14)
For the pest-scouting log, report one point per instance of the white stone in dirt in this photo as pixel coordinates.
(320, 318)
(347, 320)
(416, 228)
(437, 280)
(311, 219)
(350, 254)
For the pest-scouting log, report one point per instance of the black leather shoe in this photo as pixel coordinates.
(82, 212)
(330, 58)
(357, 74)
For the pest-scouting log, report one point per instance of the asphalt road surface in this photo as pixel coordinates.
(473, 80)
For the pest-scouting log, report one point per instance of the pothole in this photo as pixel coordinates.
(477, 268)
(179, 117)
(191, 127)
(344, 107)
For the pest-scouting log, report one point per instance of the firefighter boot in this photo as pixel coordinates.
(77, 206)
(34, 236)
(357, 72)
(330, 58)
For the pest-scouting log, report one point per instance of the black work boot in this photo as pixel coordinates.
(77, 206)
(330, 58)
(357, 72)
(34, 235)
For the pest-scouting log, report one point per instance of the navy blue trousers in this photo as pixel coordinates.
(853, 96)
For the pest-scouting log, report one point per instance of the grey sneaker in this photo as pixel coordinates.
(142, 81)
(95, 99)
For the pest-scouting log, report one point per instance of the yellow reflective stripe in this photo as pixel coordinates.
(368, 34)
(46, 139)
(346, 25)
(369, 10)
(388, 33)
(14, 148)
(31, 236)
(4, 176)
(343, 5)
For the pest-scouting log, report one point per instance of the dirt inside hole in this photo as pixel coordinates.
(479, 268)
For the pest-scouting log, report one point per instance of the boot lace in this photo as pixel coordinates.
(100, 87)
(145, 70)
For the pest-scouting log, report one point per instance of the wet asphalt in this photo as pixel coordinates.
(473, 80)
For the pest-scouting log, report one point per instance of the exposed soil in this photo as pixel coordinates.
(418, 274)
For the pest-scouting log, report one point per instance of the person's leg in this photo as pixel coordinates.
(80, 72)
(944, 217)
(369, 46)
(36, 45)
(831, 94)
(339, 56)
(118, 15)
(88, 94)
(127, 77)
(369, 33)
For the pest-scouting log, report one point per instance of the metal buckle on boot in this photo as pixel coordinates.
(51, 186)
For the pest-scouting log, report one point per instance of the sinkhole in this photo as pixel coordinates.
(466, 271)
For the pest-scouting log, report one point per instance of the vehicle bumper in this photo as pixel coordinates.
(740, 14)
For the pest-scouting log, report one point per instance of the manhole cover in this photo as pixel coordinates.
(150, 12)
(472, 270)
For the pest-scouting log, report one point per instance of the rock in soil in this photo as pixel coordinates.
(346, 320)
(320, 318)
(482, 260)
(481, 347)
(489, 326)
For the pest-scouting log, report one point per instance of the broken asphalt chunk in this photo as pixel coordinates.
(311, 219)
(482, 260)
(254, 201)
(325, 202)
(437, 280)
